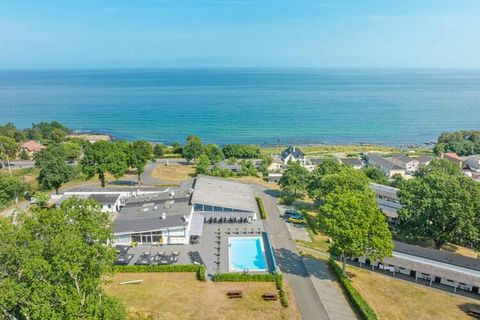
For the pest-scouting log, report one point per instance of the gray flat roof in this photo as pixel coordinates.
(105, 199)
(384, 162)
(351, 161)
(122, 189)
(143, 217)
(384, 190)
(225, 193)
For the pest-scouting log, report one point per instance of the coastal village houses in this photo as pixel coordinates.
(31, 147)
(402, 165)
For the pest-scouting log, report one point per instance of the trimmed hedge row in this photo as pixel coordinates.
(263, 213)
(364, 310)
(311, 221)
(242, 277)
(198, 269)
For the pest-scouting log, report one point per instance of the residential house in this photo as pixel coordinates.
(473, 163)
(389, 168)
(290, 154)
(387, 200)
(355, 163)
(453, 157)
(31, 147)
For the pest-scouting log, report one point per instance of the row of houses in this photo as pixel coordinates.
(430, 266)
(402, 165)
(171, 215)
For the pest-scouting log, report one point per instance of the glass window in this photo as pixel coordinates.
(136, 237)
(208, 208)
(198, 207)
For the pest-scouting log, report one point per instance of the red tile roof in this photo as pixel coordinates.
(32, 146)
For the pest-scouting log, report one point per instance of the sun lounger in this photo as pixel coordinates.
(235, 294)
(269, 296)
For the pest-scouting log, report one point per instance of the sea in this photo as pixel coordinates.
(398, 107)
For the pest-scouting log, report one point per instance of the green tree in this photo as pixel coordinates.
(159, 150)
(315, 184)
(54, 171)
(72, 150)
(8, 147)
(24, 155)
(53, 263)
(139, 153)
(440, 207)
(214, 153)
(439, 166)
(355, 225)
(193, 148)
(104, 157)
(241, 151)
(11, 187)
(376, 175)
(295, 180)
(398, 180)
(203, 164)
(9, 130)
(464, 143)
(346, 179)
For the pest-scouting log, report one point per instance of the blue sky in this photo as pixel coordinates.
(239, 33)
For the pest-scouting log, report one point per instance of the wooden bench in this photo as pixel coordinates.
(269, 296)
(474, 312)
(235, 294)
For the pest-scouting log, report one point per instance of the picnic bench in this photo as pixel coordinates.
(269, 296)
(474, 312)
(235, 294)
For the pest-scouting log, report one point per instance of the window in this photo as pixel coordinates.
(207, 208)
(136, 237)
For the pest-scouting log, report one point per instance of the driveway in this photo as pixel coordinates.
(317, 294)
(147, 175)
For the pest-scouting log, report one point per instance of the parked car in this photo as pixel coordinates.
(293, 214)
(297, 221)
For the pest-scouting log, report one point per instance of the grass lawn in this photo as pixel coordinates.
(347, 149)
(181, 296)
(399, 299)
(257, 180)
(173, 172)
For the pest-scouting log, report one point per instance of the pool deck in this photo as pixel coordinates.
(206, 247)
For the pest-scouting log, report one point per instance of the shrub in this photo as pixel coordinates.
(287, 199)
(243, 277)
(311, 221)
(281, 291)
(363, 309)
(199, 270)
(263, 213)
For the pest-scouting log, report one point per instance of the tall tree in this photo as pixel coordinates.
(193, 148)
(140, 153)
(327, 167)
(104, 157)
(11, 187)
(295, 180)
(214, 153)
(159, 150)
(440, 206)
(54, 171)
(53, 263)
(355, 225)
(203, 164)
(376, 175)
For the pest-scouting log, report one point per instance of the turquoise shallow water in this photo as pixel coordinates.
(263, 106)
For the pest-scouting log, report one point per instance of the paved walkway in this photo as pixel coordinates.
(317, 294)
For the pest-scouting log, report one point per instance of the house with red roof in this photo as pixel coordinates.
(31, 147)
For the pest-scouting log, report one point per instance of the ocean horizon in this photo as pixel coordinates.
(265, 106)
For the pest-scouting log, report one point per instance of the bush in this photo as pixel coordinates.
(287, 199)
(311, 221)
(363, 309)
(244, 277)
(263, 213)
(199, 270)
(281, 291)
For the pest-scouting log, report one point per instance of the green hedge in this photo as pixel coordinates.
(263, 213)
(311, 221)
(364, 310)
(242, 277)
(199, 270)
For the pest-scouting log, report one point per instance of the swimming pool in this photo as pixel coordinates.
(246, 254)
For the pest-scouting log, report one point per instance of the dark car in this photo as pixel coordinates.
(293, 214)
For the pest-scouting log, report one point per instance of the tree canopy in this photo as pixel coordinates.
(11, 187)
(464, 143)
(214, 153)
(441, 205)
(241, 151)
(8, 147)
(295, 180)
(54, 171)
(52, 263)
(193, 148)
(138, 154)
(104, 157)
(355, 224)
(203, 164)
(376, 175)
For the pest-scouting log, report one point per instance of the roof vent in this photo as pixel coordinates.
(164, 215)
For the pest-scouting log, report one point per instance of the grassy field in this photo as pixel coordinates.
(398, 299)
(174, 172)
(257, 180)
(348, 149)
(181, 296)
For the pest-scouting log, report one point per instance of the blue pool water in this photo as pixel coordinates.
(247, 254)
